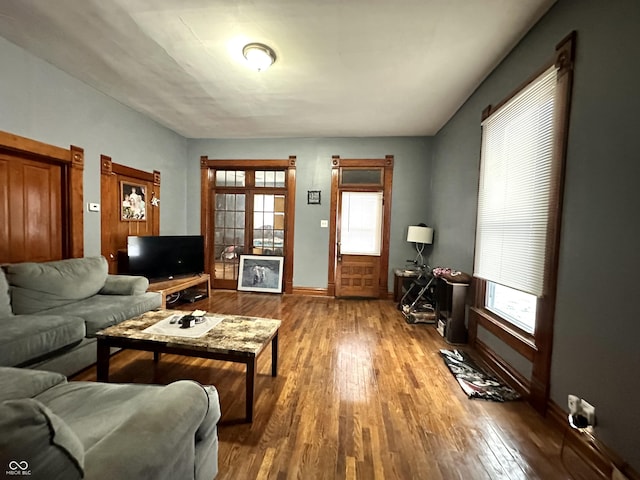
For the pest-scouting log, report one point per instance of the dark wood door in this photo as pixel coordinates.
(31, 203)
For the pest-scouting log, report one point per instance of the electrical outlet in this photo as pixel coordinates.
(574, 404)
(588, 411)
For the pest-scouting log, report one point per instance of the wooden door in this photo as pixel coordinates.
(33, 202)
(359, 229)
(359, 236)
(117, 222)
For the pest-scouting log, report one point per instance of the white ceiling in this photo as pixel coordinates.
(344, 68)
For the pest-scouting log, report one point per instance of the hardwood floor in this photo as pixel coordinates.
(360, 394)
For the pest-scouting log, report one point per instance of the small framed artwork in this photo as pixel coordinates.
(313, 197)
(260, 273)
(133, 202)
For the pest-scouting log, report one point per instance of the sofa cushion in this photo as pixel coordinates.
(5, 299)
(41, 286)
(16, 383)
(95, 410)
(24, 338)
(34, 439)
(102, 311)
(124, 285)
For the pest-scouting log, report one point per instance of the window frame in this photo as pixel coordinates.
(535, 347)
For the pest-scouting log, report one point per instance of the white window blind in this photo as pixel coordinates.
(361, 223)
(516, 180)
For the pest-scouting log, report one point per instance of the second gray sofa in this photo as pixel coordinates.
(50, 311)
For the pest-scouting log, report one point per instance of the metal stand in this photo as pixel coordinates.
(419, 287)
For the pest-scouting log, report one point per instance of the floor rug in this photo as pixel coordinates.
(475, 382)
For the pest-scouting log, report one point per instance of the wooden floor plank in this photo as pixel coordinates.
(360, 394)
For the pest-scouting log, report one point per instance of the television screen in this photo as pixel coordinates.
(165, 257)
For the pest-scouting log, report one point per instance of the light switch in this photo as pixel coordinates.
(324, 223)
(94, 207)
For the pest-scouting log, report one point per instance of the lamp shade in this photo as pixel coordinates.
(419, 234)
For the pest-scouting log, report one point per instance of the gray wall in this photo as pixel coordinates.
(41, 102)
(596, 333)
(313, 172)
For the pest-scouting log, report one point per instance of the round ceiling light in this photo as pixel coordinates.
(259, 56)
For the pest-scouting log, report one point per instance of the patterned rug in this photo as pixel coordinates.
(475, 382)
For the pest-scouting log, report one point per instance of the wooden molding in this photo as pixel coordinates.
(25, 145)
(538, 349)
(156, 178)
(310, 291)
(72, 189)
(76, 202)
(207, 187)
(387, 186)
(598, 457)
(502, 369)
(105, 165)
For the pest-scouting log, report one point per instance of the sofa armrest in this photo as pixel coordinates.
(124, 285)
(165, 423)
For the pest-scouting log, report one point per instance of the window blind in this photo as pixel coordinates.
(516, 183)
(361, 223)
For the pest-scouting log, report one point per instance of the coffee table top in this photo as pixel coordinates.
(234, 334)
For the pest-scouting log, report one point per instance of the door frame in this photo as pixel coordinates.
(208, 167)
(112, 239)
(337, 164)
(71, 161)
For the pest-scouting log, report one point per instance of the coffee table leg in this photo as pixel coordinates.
(274, 356)
(102, 367)
(251, 380)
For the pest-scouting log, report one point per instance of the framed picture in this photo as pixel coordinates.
(260, 273)
(313, 197)
(133, 202)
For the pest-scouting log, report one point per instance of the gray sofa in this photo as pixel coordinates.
(50, 311)
(53, 429)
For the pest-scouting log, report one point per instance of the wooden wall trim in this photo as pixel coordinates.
(135, 173)
(336, 164)
(20, 144)
(112, 230)
(206, 210)
(592, 451)
(207, 183)
(246, 163)
(310, 291)
(502, 369)
(290, 219)
(72, 163)
(75, 213)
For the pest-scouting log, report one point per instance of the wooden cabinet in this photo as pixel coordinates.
(179, 285)
(450, 310)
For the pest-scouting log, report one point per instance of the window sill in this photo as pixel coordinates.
(520, 341)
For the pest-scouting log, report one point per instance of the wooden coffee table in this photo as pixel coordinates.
(236, 338)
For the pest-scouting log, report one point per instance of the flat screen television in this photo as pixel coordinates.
(166, 256)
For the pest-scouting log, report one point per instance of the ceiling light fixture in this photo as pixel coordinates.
(259, 56)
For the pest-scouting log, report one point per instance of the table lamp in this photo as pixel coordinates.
(420, 235)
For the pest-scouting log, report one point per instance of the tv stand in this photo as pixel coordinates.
(168, 287)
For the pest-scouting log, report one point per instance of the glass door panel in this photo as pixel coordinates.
(228, 234)
(268, 224)
(361, 223)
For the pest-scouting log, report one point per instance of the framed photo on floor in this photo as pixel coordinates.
(260, 273)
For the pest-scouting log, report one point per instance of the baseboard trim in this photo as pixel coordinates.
(597, 456)
(311, 291)
(592, 451)
(502, 369)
